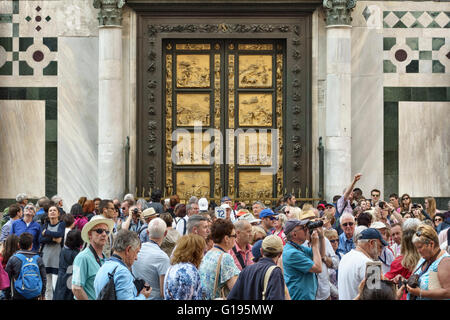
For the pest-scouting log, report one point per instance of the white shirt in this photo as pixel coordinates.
(180, 225)
(323, 280)
(352, 270)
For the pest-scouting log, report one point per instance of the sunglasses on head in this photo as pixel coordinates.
(100, 231)
(348, 224)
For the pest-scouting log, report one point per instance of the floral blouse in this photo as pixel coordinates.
(182, 282)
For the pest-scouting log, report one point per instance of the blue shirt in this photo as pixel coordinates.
(123, 280)
(182, 282)
(345, 245)
(297, 261)
(19, 226)
(250, 283)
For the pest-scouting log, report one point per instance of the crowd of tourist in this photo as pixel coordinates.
(163, 249)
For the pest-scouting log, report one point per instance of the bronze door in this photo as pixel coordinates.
(223, 110)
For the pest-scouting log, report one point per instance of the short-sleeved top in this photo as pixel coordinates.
(424, 280)
(345, 245)
(297, 261)
(151, 263)
(85, 268)
(352, 270)
(182, 282)
(228, 269)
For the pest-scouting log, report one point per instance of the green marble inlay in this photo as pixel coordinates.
(15, 29)
(51, 130)
(416, 14)
(438, 94)
(51, 69)
(5, 18)
(399, 14)
(6, 69)
(15, 6)
(388, 43)
(416, 24)
(425, 55)
(438, 67)
(24, 43)
(437, 43)
(51, 111)
(25, 69)
(400, 24)
(389, 67)
(15, 56)
(413, 67)
(32, 94)
(434, 24)
(419, 94)
(413, 43)
(51, 43)
(6, 43)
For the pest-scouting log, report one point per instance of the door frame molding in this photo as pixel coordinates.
(293, 27)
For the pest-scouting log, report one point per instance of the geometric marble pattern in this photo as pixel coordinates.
(416, 54)
(416, 19)
(24, 48)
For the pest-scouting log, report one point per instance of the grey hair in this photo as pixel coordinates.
(358, 230)
(21, 197)
(125, 238)
(241, 224)
(411, 224)
(56, 199)
(345, 215)
(156, 228)
(260, 203)
(143, 203)
(128, 196)
(192, 199)
(282, 218)
(194, 221)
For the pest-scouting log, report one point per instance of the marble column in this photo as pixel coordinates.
(111, 164)
(338, 97)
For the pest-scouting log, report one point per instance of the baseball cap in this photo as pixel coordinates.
(226, 198)
(370, 234)
(225, 206)
(291, 224)
(329, 205)
(272, 244)
(266, 213)
(321, 206)
(203, 204)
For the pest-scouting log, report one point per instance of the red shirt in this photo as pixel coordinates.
(397, 268)
(246, 255)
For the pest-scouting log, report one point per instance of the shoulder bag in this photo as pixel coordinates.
(216, 282)
(266, 280)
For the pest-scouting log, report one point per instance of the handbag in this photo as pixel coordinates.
(4, 279)
(216, 282)
(109, 290)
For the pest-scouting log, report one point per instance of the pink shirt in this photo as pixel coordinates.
(246, 255)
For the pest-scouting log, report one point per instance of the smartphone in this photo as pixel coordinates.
(373, 274)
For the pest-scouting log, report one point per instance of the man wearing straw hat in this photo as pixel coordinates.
(88, 262)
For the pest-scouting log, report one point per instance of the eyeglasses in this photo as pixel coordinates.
(232, 235)
(348, 224)
(375, 195)
(437, 219)
(334, 240)
(100, 231)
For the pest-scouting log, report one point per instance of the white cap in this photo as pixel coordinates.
(225, 206)
(203, 204)
(378, 225)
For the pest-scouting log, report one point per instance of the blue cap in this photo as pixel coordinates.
(266, 213)
(226, 198)
(256, 250)
(371, 233)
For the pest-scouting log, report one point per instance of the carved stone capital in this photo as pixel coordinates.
(110, 13)
(338, 12)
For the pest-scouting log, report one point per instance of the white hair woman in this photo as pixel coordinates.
(280, 221)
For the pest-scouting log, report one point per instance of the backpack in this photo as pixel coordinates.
(109, 290)
(29, 281)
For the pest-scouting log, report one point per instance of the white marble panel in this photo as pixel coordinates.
(77, 118)
(424, 148)
(338, 102)
(367, 51)
(337, 165)
(77, 18)
(22, 148)
(367, 131)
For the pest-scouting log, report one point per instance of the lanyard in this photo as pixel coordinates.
(95, 255)
(295, 246)
(217, 247)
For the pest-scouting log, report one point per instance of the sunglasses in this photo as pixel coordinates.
(233, 235)
(348, 224)
(375, 195)
(273, 218)
(100, 231)
(334, 240)
(437, 219)
(405, 198)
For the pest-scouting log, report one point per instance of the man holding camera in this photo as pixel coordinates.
(300, 263)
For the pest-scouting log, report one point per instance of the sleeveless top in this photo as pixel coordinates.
(429, 280)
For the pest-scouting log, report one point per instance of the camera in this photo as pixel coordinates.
(415, 206)
(381, 204)
(311, 225)
(136, 211)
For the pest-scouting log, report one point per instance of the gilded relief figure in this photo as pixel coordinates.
(192, 108)
(254, 186)
(192, 183)
(255, 71)
(193, 71)
(255, 110)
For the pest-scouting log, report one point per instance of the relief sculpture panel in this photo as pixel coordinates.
(193, 71)
(192, 109)
(193, 183)
(255, 109)
(254, 186)
(192, 148)
(255, 148)
(255, 71)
